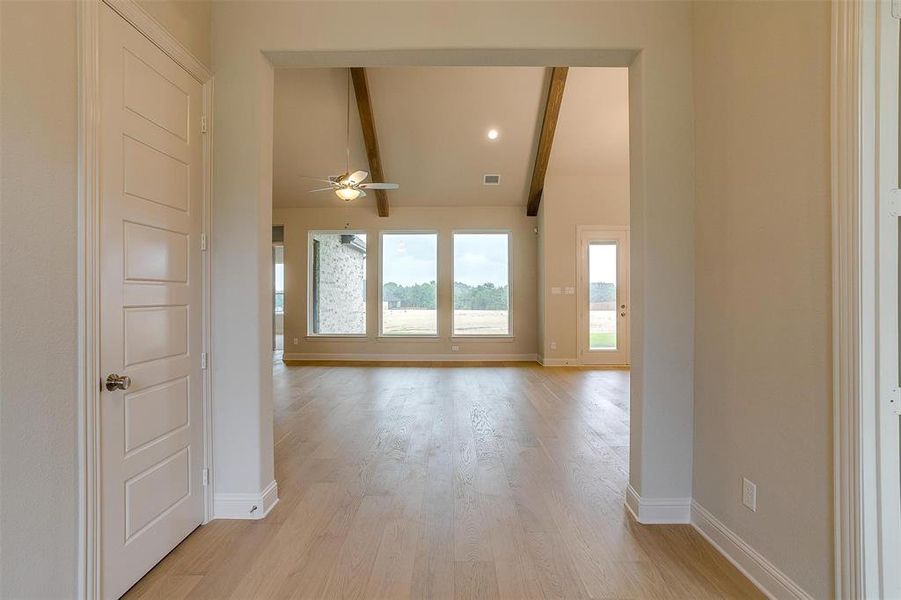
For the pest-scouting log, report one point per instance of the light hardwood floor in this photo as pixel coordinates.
(447, 482)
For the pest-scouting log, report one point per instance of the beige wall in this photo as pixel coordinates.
(188, 20)
(567, 203)
(762, 256)
(444, 220)
(38, 442)
(38, 296)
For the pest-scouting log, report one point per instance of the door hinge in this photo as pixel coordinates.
(894, 400)
(203, 360)
(203, 126)
(203, 241)
(206, 477)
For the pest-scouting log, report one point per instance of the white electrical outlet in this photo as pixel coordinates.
(553, 345)
(295, 341)
(749, 493)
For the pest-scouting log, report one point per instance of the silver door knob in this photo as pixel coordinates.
(117, 382)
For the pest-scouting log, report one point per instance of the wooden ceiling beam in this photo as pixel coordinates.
(370, 138)
(546, 139)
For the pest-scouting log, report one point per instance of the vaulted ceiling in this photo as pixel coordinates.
(432, 125)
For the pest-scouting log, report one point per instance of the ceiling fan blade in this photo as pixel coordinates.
(358, 177)
(380, 186)
(362, 194)
(328, 189)
(315, 179)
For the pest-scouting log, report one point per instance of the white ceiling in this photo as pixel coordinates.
(432, 124)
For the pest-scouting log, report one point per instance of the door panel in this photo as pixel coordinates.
(156, 176)
(151, 434)
(603, 296)
(155, 412)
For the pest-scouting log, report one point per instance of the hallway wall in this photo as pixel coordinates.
(38, 300)
(763, 400)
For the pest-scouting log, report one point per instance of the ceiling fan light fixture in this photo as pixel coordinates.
(347, 193)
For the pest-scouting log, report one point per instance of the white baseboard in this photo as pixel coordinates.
(241, 506)
(762, 573)
(421, 357)
(558, 362)
(657, 511)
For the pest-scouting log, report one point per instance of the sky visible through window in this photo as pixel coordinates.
(409, 259)
(602, 263)
(480, 258)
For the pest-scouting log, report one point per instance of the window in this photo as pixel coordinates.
(409, 289)
(482, 283)
(337, 283)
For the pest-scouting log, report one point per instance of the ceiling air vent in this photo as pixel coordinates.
(491, 179)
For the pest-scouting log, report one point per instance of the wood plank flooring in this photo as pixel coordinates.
(501, 481)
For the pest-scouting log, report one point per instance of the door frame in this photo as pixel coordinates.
(88, 202)
(581, 308)
(865, 59)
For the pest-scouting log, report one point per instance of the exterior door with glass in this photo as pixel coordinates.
(603, 291)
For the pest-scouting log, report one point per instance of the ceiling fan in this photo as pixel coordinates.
(349, 186)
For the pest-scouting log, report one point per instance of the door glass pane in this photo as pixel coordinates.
(602, 295)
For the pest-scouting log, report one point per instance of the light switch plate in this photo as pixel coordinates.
(555, 291)
(570, 291)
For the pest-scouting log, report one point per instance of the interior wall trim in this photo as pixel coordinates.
(132, 12)
(657, 511)
(246, 506)
(420, 357)
(762, 573)
(864, 35)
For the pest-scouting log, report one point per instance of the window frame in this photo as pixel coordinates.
(380, 303)
(491, 336)
(310, 335)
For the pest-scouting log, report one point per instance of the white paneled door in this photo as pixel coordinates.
(151, 427)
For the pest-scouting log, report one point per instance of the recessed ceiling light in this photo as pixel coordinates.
(492, 134)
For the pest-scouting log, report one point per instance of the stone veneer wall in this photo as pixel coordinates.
(341, 284)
